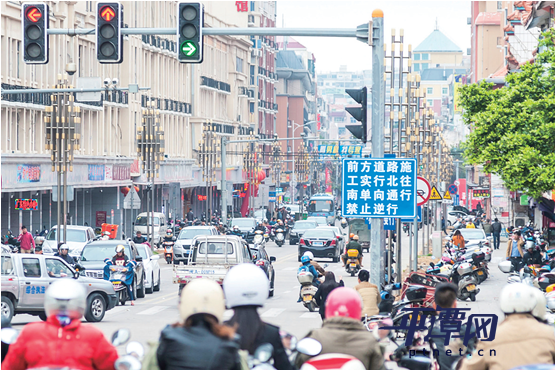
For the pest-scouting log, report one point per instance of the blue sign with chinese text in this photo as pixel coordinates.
(379, 187)
(419, 215)
(96, 172)
(341, 150)
(389, 223)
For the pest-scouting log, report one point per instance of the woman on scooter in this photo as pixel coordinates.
(121, 259)
(324, 290)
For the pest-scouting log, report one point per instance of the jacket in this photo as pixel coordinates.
(76, 346)
(470, 225)
(323, 292)
(139, 240)
(488, 228)
(354, 245)
(459, 241)
(534, 258)
(534, 345)
(371, 298)
(317, 267)
(195, 348)
(271, 334)
(496, 228)
(69, 259)
(311, 269)
(347, 336)
(438, 336)
(520, 244)
(27, 241)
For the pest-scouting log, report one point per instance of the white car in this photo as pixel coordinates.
(321, 221)
(453, 217)
(185, 239)
(76, 238)
(152, 269)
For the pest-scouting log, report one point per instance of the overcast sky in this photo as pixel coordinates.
(417, 18)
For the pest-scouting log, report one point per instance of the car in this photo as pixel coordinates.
(322, 243)
(93, 256)
(453, 217)
(292, 208)
(247, 227)
(158, 228)
(259, 215)
(264, 261)
(152, 268)
(185, 238)
(320, 220)
(459, 209)
(339, 235)
(76, 238)
(475, 236)
(299, 228)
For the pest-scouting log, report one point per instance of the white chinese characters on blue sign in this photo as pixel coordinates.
(382, 187)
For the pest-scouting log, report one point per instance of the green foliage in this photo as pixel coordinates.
(512, 128)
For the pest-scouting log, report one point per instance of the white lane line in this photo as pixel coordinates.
(273, 312)
(310, 315)
(289, 268)
(296, 286)
(287, 291)
(228, 314)
(118, 309)
(153, 310)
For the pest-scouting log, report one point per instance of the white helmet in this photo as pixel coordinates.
(309, 254)
(540, 309)
(65, 297)
(202, 296)
(517, 298)
(246, 285)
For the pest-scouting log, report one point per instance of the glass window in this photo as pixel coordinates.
(417, 56)
(424, 66)
(7, 265)
(215, 248)
(246, 222)
(57, 269)
(239, 65)
(304, 225)
(444, 91)
(31, 267)
(188, 233)
(417, 67)
(71, 235)
(430, 103)
(425, 57)
(142, 221)
(143, 252)
(319, 233)
(98, 252)
(321, 206)
(429, 90)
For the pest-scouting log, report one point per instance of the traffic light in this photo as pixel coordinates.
(35, 37)
(359, 113)
(110, 40)
(190, 32)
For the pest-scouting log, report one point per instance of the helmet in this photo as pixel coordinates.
(540, 309)
(305, 259)
(265, 220)
(64, 247)
(246, 285)
(351, 235)
(517, 298)
(530, 243)
(202, 296)
(120, 248)
(309, 254)
(66, 297)
(169, 231)
(356, 237)
(344, 302)
(106, 233)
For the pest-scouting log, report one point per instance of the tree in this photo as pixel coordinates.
(512, 128)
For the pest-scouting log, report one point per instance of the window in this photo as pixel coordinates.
(425, 57)
(7, 265)
(239, 65)
(429, 90)
(498, 5)
(31, 267)
(424, 66)
(417, 67)
(341, 130)
(444, 91)
(251, 107)
(417, 56)
(215, 248)
(429, 103)
(251, 6)
(57, 269)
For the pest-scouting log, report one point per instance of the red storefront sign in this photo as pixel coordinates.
(26, 205)
(121, 173)
(242, 6)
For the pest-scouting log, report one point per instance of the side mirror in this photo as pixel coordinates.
(272, 259)
(309, 346)
(173, 238)
(9, 335)
(133, 223)
(120, 337)
(138, 258)
(79, 267)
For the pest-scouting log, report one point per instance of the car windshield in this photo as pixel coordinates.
(318, 220)
(142, 251)
(78, 236)
(303, 225)
(321, 205)
(215, 248)
(142, 221)
(292, 208)
(470, 234)
(319, 233)
(245, 222)
(93, 252)
(191, 233)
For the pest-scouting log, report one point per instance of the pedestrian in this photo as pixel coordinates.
(496, 230)
(27, 243)
(470, 225)
(190, 215)
(458, 240)
(324, 290)
(370, 294)
(268, 214)
(443, 224)
(487, 227)
(514, 251)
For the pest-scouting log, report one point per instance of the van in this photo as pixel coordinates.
(160, 226)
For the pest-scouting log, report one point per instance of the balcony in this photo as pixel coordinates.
(167, 105)
(212, 83)
(38, 98)
(243, 91)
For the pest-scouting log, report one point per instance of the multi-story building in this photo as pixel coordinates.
(187, 95)
(437, 50)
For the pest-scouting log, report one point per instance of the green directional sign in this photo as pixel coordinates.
(188, 48)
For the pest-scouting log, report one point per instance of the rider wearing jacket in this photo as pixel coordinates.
(139, 239)
(246, 288)
(315, 264)
(62, 341)
(169, 237)
(199, 341)
(354, 244)
(63, 254)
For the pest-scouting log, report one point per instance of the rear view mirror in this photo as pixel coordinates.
(120, 337)
(138, 258)
(272, 259)
(309, 346)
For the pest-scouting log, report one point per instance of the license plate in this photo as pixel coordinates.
(307, 298)
(116, 282)
(470, 287)
(479, 272)
(352, 264)
(318, 244)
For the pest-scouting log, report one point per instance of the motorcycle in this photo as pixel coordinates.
(121, 278)
(279, 237)
(352, 264)
(12, 242)
(343, 223)
(259, 238)
(169, 249)
(308, 290)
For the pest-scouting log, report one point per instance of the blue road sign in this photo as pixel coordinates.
(389, 223)
(419, 215)
(272, 197)
(456, 200)
(452, 189)
(379, 187)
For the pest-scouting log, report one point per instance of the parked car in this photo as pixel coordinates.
(340, 238)
(93, 256)
(264, 261)
(453, 217)
(459, 209)
(160, 226)
(322, 243)
(320, 220)
(185, 239)
(152, 268)
(76, 238)
(25, 278)
(475, 236)
(299, 228)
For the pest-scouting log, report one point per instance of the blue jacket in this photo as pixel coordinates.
(308, 267)
(129, 275)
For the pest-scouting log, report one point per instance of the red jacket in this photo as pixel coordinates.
(76, 346)
(27, 241)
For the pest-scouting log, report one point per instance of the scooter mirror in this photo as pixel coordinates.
(120, 337)
(309, 346)
(264, 352)
(9, 335)
(135, 349)
(127, 363)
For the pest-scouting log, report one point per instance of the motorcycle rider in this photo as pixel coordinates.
(40, 344)
(236, 231)
(139, 239)
(514, 250)
(353, 244)
(246, 288)
(121, 259)
(169, 237)
(63, 254)
(199, 340)
(307, 266)
(342, 331)
(315, 264)
(520, 339)
(533, 255)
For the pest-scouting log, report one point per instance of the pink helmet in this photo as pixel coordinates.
(344, 302)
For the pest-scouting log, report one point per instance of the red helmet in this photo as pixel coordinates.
(344, 302)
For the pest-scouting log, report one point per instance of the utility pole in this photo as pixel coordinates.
(208, 149)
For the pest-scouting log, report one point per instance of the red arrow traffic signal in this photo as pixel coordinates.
(107, 13)
(34, 14)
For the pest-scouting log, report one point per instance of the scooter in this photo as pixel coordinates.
(279, 237)
(343, 223)
(308, 290)
(352, 264)
(120, 277)
(169, 250)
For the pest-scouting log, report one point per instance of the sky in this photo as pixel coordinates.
(417, 19)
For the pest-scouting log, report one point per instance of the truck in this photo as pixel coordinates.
(211, 257)
(25, 278)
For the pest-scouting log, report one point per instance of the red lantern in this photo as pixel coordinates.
(125, 190)
(261, 176)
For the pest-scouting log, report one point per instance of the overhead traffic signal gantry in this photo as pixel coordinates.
(110, 40)
(359, 113)
(35, 37)
(190, 32)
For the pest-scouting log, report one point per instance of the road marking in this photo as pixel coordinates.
(310, 315)
(158, 298)
(118, 309)
(286, 258)
(273, 312)
(153, 310)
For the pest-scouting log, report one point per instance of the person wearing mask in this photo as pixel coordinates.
(342, 331)
(458, 240)
(370, 294)
(324, 290)
(353, 244)
(315, 264)
(487, 227)
(445, 298)
(199, 340)
(496, 230)
(514, 250)
(246, 289)
(139, 239)
(41, 344)
(63, 253)
(520, 339)
(121, 259)
(27, 243)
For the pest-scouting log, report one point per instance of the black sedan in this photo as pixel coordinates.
(322, 243)
(262, 259)
(299, 228)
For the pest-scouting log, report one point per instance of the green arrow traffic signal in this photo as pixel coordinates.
(188, 48)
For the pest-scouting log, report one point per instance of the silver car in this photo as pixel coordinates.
(76, 238)
(185, 239)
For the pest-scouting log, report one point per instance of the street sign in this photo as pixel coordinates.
(453, 189)
(447, 201)
(132, 194)
(456, 200)
(379, 187)
(456, 183)
(272, 197)
(447, 195)
(389, 223)
(69, 193)
(435, 195)
(423, 190)
(419, 216)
